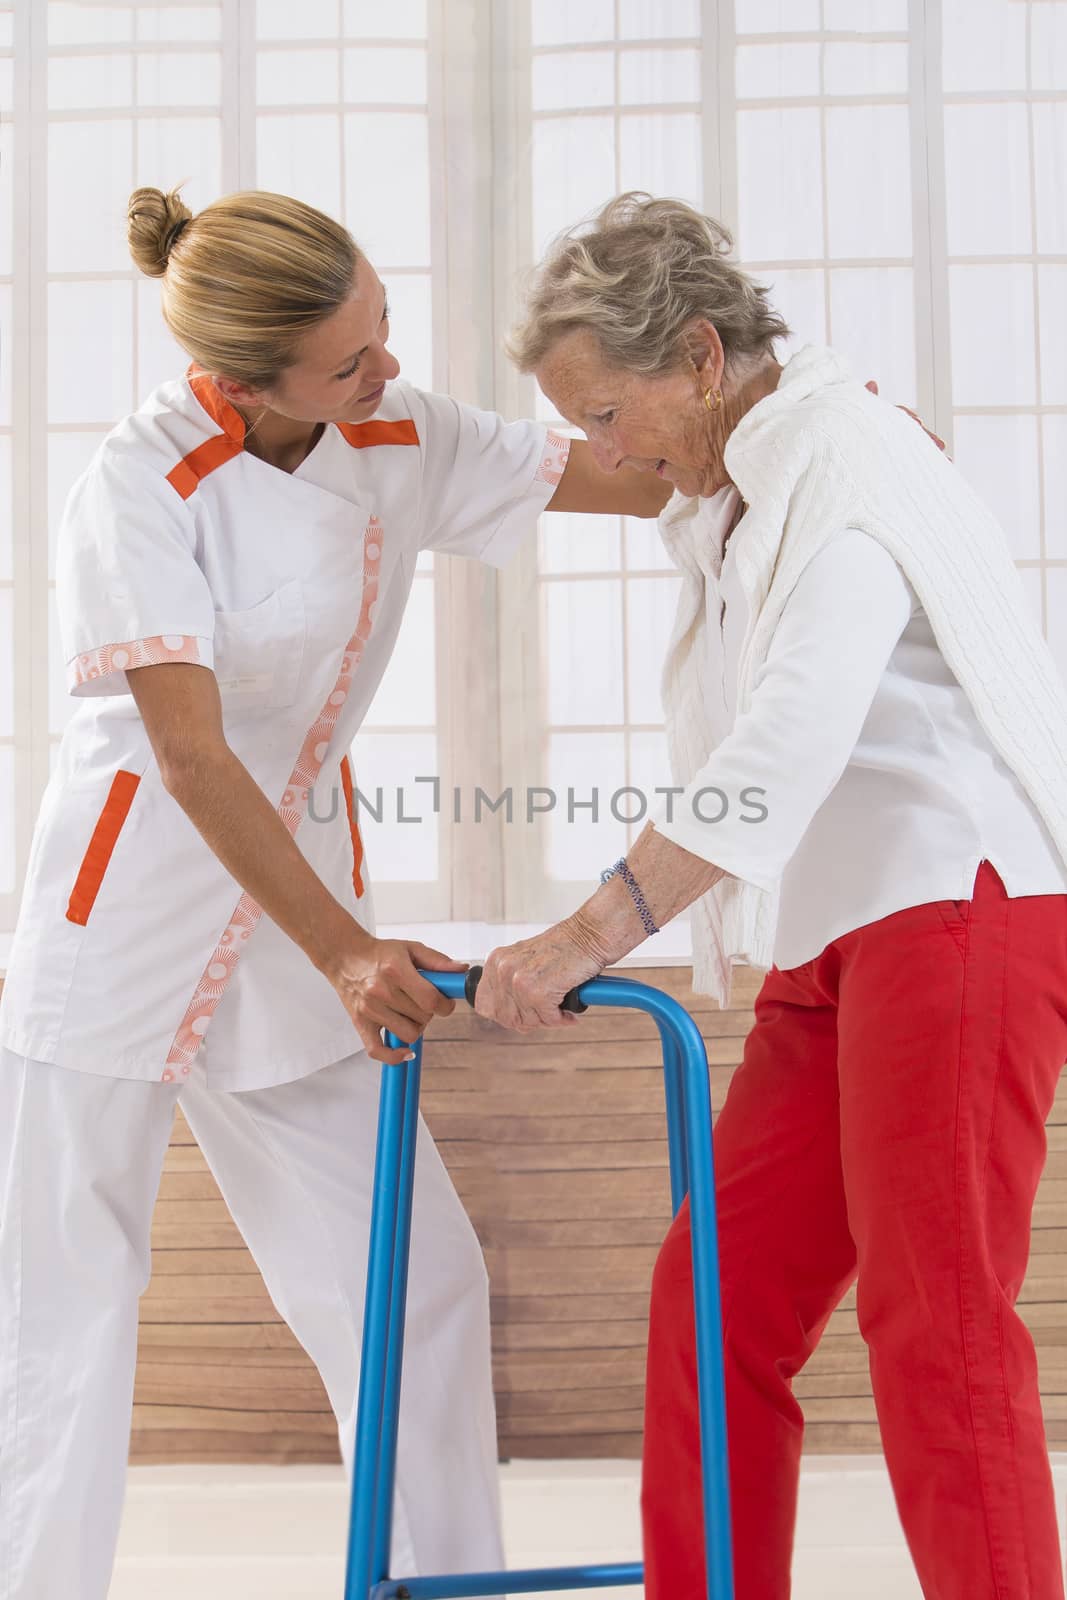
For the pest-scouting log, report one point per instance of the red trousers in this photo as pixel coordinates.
(886, 1125)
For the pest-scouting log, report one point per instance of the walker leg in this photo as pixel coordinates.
(364, 1510)
(711, 1386)
(676, 1119)
(397, 1310)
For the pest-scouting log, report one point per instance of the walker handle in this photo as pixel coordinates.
(570, 1001)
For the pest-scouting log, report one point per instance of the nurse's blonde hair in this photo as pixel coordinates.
(245, 279)
(637, 276)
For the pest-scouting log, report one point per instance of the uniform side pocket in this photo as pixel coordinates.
(105, 836)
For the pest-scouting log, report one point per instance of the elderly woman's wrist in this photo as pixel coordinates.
(589, 937)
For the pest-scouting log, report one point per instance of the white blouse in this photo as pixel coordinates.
(860, 776)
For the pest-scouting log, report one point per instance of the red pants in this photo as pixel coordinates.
(887, 1123)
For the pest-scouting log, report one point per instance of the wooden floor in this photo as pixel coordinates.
(557, 1147)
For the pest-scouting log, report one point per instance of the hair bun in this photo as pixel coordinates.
(154, 221)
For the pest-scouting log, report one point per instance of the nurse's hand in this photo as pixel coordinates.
(523, 984)
(940, 443)
(380, 988)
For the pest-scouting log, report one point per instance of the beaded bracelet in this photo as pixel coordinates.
(634, 887)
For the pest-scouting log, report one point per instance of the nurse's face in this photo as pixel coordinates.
(344, 363)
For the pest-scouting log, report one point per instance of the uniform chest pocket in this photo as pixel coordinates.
(259, 653)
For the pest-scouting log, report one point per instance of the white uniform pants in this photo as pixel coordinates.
(80, 1163)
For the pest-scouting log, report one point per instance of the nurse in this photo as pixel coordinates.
(196, 925)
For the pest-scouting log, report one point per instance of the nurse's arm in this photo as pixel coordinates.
(376, 979)
(624, 493)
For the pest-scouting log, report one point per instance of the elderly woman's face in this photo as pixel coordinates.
(656, 425)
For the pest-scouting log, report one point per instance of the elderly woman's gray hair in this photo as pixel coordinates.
(637, 276)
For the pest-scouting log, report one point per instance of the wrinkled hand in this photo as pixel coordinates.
(379, 986)
(940, 443)
(522, 984)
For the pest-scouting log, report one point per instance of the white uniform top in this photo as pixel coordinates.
(179, 545)
(882, 790)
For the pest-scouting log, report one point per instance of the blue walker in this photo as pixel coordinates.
(685, 1066)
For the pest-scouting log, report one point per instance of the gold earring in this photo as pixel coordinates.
(718, 400)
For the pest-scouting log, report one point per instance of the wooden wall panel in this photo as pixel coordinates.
(557, 1147)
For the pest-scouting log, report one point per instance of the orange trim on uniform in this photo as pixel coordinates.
(105, 836)
(353, 823)
(362, 434)
(187, 476)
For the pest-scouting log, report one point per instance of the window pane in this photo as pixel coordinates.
(868, 219)
(583, 651)
(311, 19)
(573, 543)
(662, 155)
(998, 457)
(776, 16)
(779, 159)
(406, 694)
(1048, 46)
(594, 767)
(81, 24)
(6, 508)
(90, 176)
(650, 76)
(573, 172)
(777, 71)
(89, 81)
(1056, 587)
(387, 201)
(7, 157)
(298, 77)
(7, 685)
(1054, 436)
(659, 19)
(396, 77)
(397, 852)
(1052, 289)
(644, 548)
(572, 21)
(170, 148)
(983, 44)
(650, 611)
(158, 24)
(800, 296)
(866, 16)
(301, 156)
(159, 356)
(872, 312)
(411, 326)
(180, 80)
(866, 69)
(68, 456)
(576, 79)
(1050, 174)
(90, 358)
(987, 189)
(400, 19)
(7, 820)
(981, 299)
(6, 327)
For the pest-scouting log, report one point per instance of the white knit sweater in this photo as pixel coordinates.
(818, 455)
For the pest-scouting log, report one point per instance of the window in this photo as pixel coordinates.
(893, 169)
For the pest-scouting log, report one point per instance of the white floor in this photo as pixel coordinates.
(277, 1533)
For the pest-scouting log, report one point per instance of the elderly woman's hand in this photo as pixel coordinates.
(522, 984)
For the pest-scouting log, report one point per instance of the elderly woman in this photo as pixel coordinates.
(869, 736)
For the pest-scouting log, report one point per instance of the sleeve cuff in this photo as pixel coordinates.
(699, 839)
(103, 671)
(509, 534)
